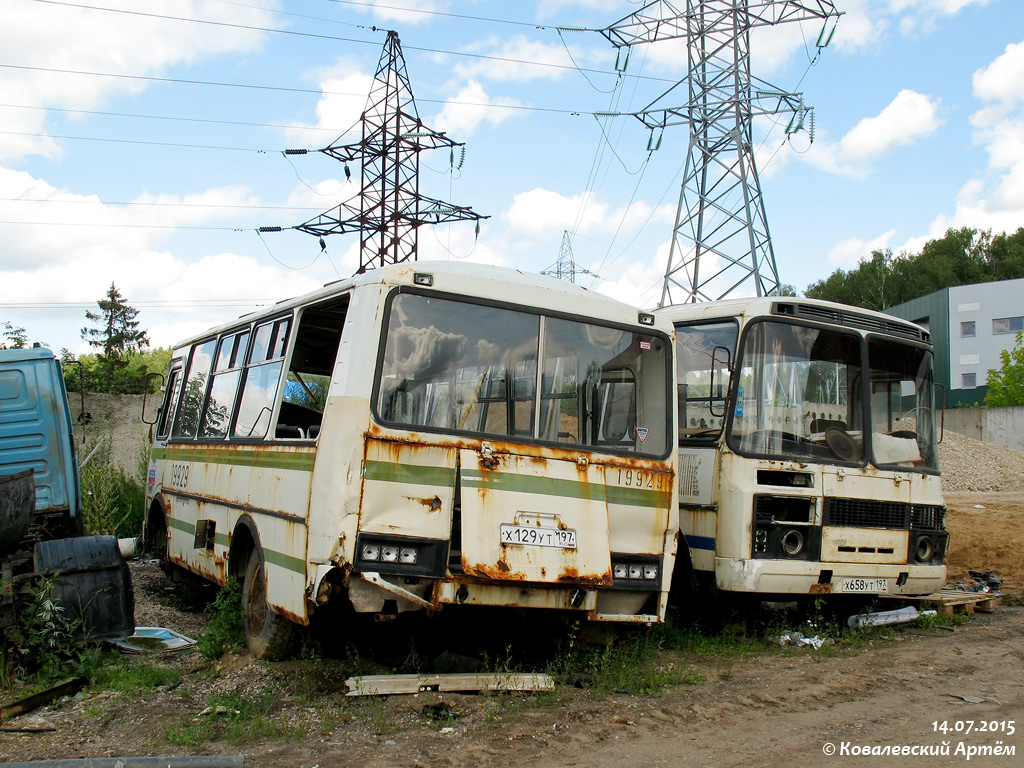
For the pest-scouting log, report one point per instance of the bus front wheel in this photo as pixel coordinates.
(268, 634)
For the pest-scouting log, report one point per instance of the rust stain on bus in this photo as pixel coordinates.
(501, 572)
(501, 448)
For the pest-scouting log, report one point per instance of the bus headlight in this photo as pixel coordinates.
(927, 547)
(793, 542)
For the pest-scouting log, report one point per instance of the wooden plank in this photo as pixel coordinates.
(385, 685)
(950, 601)
(65, 688)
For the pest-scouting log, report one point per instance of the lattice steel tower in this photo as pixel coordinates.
(720, 242)
(389, 208)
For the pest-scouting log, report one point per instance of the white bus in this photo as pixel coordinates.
(420, 436)
(808, 457)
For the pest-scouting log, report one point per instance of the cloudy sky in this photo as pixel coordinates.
(141, 143)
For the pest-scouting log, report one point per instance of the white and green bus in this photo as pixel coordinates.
(808, 450)
(422, 436)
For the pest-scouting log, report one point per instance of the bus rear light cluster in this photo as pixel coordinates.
(388, 553)
(400, 554)
(636, 571)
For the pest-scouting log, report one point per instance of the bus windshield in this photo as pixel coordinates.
(456, 366)
(800, 396)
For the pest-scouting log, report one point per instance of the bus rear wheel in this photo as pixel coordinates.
(268, 634)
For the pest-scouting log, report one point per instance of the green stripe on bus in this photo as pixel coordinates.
(249, 457)
(572, 489)
(280, 559)
(387, 472)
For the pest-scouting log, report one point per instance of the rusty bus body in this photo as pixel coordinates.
(392, 441)
(808, 456)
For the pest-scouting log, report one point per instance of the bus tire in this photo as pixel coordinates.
(268, 634)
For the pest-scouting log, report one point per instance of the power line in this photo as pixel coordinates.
(122, 226)
(333, 38)
(136, 141)
(177, 118)
(159, 205)
(285, 89)
(141, 304)
(465, 17)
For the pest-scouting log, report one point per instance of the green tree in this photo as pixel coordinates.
(15, 335)
(119, 339)
(960, 257)
(1006, 385)
(877, 283)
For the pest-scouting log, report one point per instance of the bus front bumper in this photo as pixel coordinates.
(782, 577)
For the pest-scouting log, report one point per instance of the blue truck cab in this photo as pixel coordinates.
(36, 432)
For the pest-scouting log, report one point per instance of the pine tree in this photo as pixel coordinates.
(116, 338)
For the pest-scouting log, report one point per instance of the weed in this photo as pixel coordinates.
(127, 677)
(113, 501)
(41, 644)
(224, 631)
(633, 665)
(937, 620)
(235, 719)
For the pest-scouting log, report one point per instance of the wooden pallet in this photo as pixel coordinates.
(950, 601)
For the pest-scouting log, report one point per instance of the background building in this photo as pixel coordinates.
(970, 326)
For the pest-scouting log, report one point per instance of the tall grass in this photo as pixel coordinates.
(113, 500)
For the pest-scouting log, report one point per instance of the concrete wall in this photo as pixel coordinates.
(117, 418)
(997, 426)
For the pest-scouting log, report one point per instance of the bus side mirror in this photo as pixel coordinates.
(727, 364)
(149, 380)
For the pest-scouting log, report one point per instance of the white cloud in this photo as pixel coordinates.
(995, 202)
(542, 214)
(44, 38)
(557, 8)
(847, 253)
(405, 11)
(921, 16)
(346, 90)
(500, 57)
(907, 119)
(470, 108)
(1002, 81)
(861, 26)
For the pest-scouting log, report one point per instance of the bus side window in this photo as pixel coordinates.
(262, 376)
(186, 422)
(616, 409)
(170, 400)
(310, 368)
(700, 408)
(221, 400)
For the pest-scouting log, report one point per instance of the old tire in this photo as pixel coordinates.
(268, 634)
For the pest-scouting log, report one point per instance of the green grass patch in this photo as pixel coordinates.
(126, 677)
(234, 719)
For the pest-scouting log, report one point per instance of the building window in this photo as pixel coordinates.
(967, 329)
(1007, 325)
(968, 380)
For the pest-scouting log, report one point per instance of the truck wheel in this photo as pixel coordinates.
(268, 634)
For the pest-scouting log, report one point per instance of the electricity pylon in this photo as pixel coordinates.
(720, 241)
(565, 268)
(389, 208)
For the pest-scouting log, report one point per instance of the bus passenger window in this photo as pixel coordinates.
(186, 423)
(261, 379)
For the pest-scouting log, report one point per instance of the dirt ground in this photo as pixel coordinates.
(775, 707)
